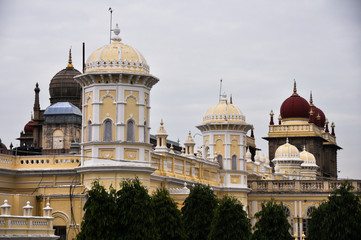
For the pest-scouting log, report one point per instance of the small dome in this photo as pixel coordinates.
(29, 127)
(189, 139)
(295, 107)
(62, 108)
(308, 158)
(224, 112)
(63, 87)
(117, 56)
(287, 151)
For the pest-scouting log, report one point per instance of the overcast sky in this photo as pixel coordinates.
(256, 47)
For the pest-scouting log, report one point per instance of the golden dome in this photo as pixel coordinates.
(308, 158)
(287, 151)
(224, 112)
(118, 57)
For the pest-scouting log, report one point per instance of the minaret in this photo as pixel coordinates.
(36, 102)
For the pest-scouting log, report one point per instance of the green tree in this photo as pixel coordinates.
(135, 216)
(198, 212)
(272, 223)
(230, 221)
(338, 218)
(168, 222)
(99, 220)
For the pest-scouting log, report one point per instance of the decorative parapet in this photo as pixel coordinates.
(27, 226)
(299, 186)
(296, 129)
(179, 191)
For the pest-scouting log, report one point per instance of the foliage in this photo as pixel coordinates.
(198, 212)
(167, 216)
(230, 221)
(338, 218)
(99, 220)
(271, 223)
(135, 216)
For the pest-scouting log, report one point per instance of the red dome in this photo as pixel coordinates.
(29, 126)
(295, 106)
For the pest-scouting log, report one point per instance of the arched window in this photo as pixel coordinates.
(306, 220)
(131, 131)
(89, 131)
(108, 130)
(220, 161)
(58, 139)
(234, 162)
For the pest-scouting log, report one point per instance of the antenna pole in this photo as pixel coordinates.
(111, 17)
(220, 90)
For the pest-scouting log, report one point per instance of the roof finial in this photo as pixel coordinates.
(116, 31)
(304, 147)
(230, 100)
(70, 63)
(294, 88)
(287, 140)
(311, 99)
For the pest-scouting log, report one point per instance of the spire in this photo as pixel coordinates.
(326, 123)
(311, 116)
(333, 129)
(252, 133)
(294, 88)
(271, 121)
(230, 100)
(36, 102)
(279, 120)
(311, 99)
(70, 63)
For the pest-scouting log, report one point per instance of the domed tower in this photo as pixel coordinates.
(116, 102)
(308, 166)
(224, 130)
(304, 125)
(63, 87)
(287, 161)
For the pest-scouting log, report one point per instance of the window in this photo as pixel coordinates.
(107, 130)
(89, 131)
(234, 162)
(60, 231)
(58, 139)
(306, 220)
(131, 131)
(220, 161)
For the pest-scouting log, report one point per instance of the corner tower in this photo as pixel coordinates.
(116, 89)
(224, 130)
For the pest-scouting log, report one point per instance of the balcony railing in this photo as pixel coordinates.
(299, 185)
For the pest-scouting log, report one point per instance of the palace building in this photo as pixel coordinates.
(97, 128)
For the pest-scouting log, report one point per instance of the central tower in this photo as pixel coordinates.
(116, 91)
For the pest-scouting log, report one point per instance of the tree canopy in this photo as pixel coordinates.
(168, 222)
(338, 218)
(230, 221)
(99, 220)
(135, 216)
(271, 223)
(198, 211)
